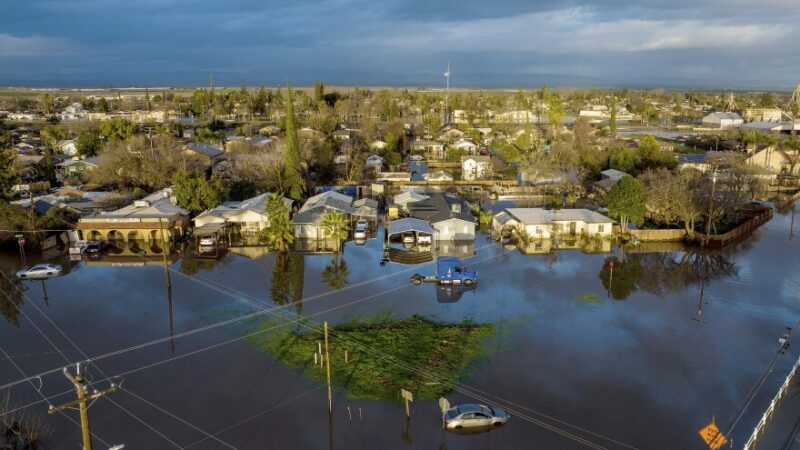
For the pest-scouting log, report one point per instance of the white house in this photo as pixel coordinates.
(475, 167)
(438, 175)
(404, 199)
(449, 216)
(378, 144)
(308, 220)
(465, 144)
(434, 149)
(374, 163)
(762, 115)
(250, 215)
(723, 120)
(540, 223)
(67, 147)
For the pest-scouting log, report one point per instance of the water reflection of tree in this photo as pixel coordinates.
(287, 279)
(664, 273)
(335, 274)
(11, 299)
(191, 264)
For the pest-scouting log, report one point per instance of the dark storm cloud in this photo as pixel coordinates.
(509, 43)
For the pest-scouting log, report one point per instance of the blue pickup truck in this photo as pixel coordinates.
(449, 270)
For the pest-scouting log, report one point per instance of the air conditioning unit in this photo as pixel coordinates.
(141, 203)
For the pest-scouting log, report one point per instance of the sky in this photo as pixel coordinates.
(724, 44)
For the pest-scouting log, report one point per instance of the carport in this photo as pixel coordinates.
(410, 225)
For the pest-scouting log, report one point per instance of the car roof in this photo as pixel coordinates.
(469, 407)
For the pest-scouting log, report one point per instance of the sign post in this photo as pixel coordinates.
(408, 397)
(444, 405)
(21, 241)
(712, 435)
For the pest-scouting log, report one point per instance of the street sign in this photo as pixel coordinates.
(21, 241)
(444, 404)
(712, 435)
(407, 395)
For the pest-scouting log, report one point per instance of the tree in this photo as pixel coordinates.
(555, 114)
(8, 176)
(197, 194)
(48, 104)
(117, 129)
(88, 143)
(147, 104)
(612, 121)
(626, 201)
(280, 233)
(650, 155)
(102, 105)
(335, 226)
(319, 92)
(291, 170)
(626, 276)
(622, 159)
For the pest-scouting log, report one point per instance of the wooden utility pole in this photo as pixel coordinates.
(328, 370)
(164, 252)
(84, 397)
(710, 206)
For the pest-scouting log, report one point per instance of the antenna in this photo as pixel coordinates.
(447, 94)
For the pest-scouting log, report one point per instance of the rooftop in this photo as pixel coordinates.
(536, 216)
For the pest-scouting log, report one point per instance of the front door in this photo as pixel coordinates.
(572, 227)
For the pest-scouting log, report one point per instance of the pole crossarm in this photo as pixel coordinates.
(74, 403)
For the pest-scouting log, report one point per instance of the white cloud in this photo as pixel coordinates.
(31, 46)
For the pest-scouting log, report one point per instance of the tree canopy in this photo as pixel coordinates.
(626, 201)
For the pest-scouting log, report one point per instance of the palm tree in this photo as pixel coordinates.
(335, 227)
(280, 233)
(335, 274)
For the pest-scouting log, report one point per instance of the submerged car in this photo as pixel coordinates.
(361, 229)
(207, 241)
(473, 415)
(40, 272)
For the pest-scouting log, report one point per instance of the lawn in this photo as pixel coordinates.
(442, 351)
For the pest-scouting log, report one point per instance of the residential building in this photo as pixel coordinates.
(540, 223)
(773, 158)
(308, 220)
(405, 199)
(467, 145)
(248, 216)
(432, 149)
(208, 153)
(762, 115)
(374, 163)
(75, 167)
(438, 175)
(67, 147)
(448, 214)
(475, 167)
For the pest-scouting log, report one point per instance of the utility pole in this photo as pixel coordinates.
(164, 252)
(328, 370)
(710, 206)
(84, 396)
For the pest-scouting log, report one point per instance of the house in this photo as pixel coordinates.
(608, 178)
(374, 163)
(377, 144)
(308, 220)
(518, 117)
(448, 214)
(73, 112)
(148, 116)
(773, 158)
(771, 127)
(342, 135)
(438, 175)
(467, 145)
(248, 216)
(723, 120)
(475, 167)
(258, 141)
(341, 158)
(433, 149)
(67, 147)
(404, 199)
(206, 152)
(24, 148)
(76, 167)
(452, 134)
(154, 218)
(540, 223)
(269, 130)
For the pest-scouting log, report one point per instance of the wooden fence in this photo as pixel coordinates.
(659, 235)
(759, 216)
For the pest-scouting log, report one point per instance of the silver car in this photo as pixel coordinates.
(40, 272)
(473, 415)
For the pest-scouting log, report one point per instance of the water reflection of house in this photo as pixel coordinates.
(142, 220)
(545, 246)
(540, 223)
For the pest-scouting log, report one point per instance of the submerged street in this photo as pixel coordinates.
(580, 358)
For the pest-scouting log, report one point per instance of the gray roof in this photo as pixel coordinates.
(541, 216)
(205, 149)
(439, 207)
(409, 224)
(613, 174)
(723, 116)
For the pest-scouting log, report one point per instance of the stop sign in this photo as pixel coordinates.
(21, 241)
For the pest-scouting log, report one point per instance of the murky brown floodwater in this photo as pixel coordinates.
(642, 363)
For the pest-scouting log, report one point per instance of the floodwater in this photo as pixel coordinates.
(582, 358)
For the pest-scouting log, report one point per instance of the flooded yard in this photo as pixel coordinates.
(634, 348)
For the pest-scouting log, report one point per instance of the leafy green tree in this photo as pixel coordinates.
(280, 233)
(510, 153)
(48, 103)
(117, 129)
(335, 226)
(319, 92)
(650, 155)
(197, 194)
(147, 104)
(612, 121)
(102, 105)
(626, 201)
(8, 176)
(292, 171)
(88, 143)
(622, 159)
(392, 158)
(626, 275)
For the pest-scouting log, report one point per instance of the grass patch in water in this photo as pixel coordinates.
(587, 297)
(442, 350)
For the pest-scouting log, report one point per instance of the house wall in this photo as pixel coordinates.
(308, 231)
(454, 229)
(250, 221)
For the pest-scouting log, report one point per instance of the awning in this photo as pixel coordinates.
(209, 229)
(409, 224)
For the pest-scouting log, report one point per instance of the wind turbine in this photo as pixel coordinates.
(447, 94)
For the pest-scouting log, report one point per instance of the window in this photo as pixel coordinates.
(601, 228)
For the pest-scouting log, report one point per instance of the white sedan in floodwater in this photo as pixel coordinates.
(40, 272)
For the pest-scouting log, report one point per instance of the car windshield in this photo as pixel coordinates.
(452, 413)
(487, 409)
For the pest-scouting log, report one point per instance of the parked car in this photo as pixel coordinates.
(362, 223)
(415, 157)
(473, 415)
(424, 239)
(360, 231)
(40, 272)
(94, 247)
(207, 241)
